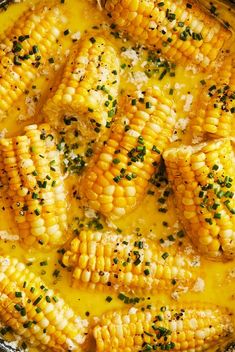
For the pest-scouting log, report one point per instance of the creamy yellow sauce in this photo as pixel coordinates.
(219, 278)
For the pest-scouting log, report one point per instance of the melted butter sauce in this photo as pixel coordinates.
(146, 219)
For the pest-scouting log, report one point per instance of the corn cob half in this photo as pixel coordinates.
(34, 312)
(186, 328)
(25, 49)
(202, 178)
(33, 186)
(88, 89)
(181, 30)
(117, 176)
(214, 113)
(129, 263)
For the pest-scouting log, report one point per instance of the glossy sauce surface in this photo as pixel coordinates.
(219, 278)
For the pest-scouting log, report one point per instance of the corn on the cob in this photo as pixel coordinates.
(181, 30)
(33, 185)
(109, 260)
(214, 111)
(186, 328)
(25, 49)
(202, 177)
(89, 87)
(118, 174)
(34, 312)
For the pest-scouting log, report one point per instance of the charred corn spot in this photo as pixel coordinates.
(197, 327)
(117, 176)
(34, 312)
(181, 29)
(115, 261)
(33, 186)
(214, 112)
(89, 87)
(202, 178)
(25, 49)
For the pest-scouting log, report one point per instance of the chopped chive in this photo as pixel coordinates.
(17, 47)
(38, 310)
(215, 206)
(22, 38)
(16, 60)
(92, 40)
(66, 32)
(28, 324)
(109, 299)
(18, 307)
(37, 212)
(146, 272)
(215, 167)
(155, 149)
(44, 263)
(201, 194)
(217, 216)
(171, 238)
(165, 255)
(212, 88)
(209, 221)
(121, 296)
(147, 347)
(23, 312)
(220, 194)
(111, 113)
(37, 300)
(35, 49)
(117, 179)
(137, 262)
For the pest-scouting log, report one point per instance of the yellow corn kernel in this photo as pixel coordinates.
(208, 214)
(33, 186)
(213, 114)
(196, 37)
(127, 263)
(88, 89)
(34, 35)
(117, 176)
(34, 312)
